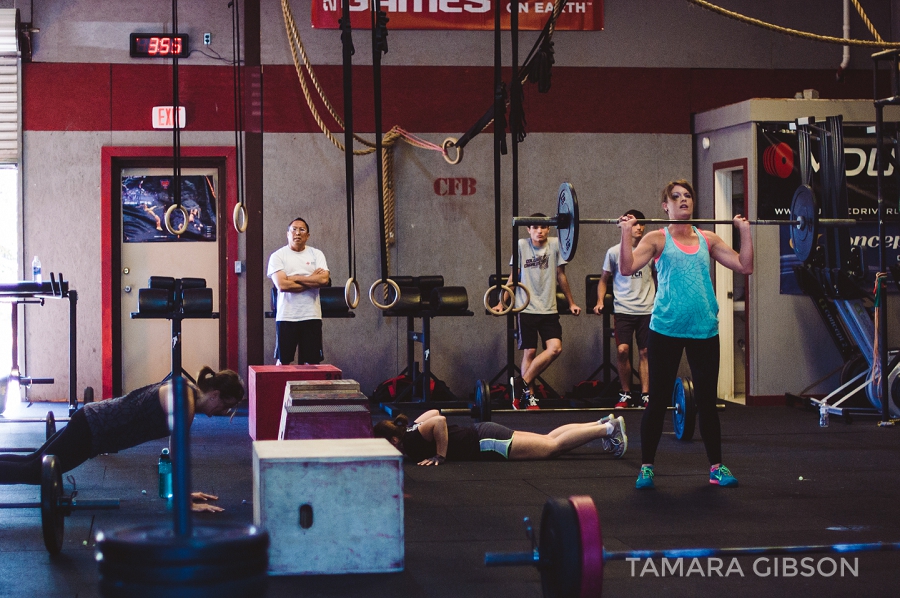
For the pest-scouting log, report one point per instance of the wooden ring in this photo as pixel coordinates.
(508, 308)
(389, 282)
(516, 310)
(351, 284)
(169, 227)
(240, 215)
(450, 141)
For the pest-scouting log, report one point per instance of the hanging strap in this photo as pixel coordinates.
(176, 142)
(379, 47)
(348, 51)
(240, 216)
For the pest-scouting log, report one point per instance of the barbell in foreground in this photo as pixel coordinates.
(570, 553)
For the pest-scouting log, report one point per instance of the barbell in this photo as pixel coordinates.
(570, 553)
(684, 409)
(55, 506)
(804, 221)
(49, 423)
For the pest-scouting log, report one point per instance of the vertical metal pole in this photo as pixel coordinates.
(882, 328)
(73, 353)
(180, 447)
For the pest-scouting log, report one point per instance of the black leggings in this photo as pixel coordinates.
(71, 445)
(664, 355)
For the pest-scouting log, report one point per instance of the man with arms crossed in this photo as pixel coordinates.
(298, 271)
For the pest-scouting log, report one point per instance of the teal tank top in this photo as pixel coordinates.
(685, 304)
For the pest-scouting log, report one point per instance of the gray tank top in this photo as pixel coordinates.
(118, 424)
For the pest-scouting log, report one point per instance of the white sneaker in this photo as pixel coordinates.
(618, 440)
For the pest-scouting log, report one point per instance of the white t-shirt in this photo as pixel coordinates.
(633, 295)
(537, 269)
(296, 307)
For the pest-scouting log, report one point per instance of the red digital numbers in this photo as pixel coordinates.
(155, 45)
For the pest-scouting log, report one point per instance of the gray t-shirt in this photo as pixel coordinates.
(538, 273)
(118, 424)
(633, 295)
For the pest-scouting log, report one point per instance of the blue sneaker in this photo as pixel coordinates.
(721, 476)
(645, 479)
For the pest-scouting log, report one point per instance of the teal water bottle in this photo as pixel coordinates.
(165, 474)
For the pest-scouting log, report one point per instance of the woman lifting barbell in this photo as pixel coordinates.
(431, 441)
(684, 319)
(118, 424)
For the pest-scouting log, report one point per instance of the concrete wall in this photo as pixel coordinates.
(656, 63)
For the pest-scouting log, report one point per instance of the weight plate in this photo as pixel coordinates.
(148, 544)
(805, 208)
(559, 547)
(50, 425)
(482, 401)
(52, 515)
(567, 222)
(591, 546)
(684, 415)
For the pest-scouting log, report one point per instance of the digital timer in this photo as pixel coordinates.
(158, 45)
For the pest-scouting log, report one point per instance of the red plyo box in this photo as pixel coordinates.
(265, 387)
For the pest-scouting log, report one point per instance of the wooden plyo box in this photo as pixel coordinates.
(265, 390)
(330, 506)
(324, 409)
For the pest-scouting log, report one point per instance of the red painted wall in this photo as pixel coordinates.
(119, 97)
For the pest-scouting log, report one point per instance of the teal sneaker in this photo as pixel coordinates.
(645, 479)
(721, 476)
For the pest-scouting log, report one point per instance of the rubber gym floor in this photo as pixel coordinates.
(799, 484)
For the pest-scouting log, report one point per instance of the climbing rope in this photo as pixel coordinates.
(794, 32)
(868, 23)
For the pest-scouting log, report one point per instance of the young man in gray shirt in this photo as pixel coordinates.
(633, 298)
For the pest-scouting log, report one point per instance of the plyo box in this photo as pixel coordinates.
(330, 506)
(324, 409)
(265, 391)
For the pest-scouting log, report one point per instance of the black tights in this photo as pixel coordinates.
(664, 355)
(71, 445)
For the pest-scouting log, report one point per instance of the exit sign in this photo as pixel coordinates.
(163, 117)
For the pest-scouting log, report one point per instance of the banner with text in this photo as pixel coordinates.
(577, 15)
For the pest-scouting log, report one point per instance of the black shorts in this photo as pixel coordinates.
(494, 441)
(305, 336)
(531, 324)
(630, 326)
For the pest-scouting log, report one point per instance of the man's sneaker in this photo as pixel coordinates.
(516, 403)
(645, 400)
(624, 400)
(645, 479)
(531, 402)
(618, 440)
(721, 476)
(518, 386)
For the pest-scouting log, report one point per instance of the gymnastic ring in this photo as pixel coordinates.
(527, 298)
(240, 214)
(508, 308)
(351, 284)
(169, 227)
(389, 282)
(449, 141)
